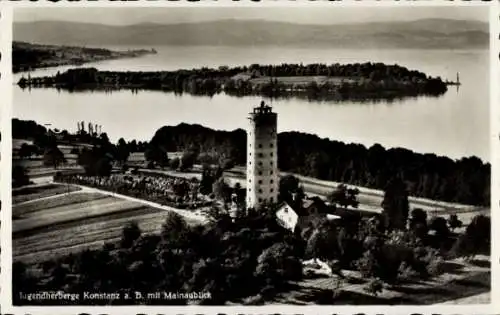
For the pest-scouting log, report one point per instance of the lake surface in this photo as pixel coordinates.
(455, 124)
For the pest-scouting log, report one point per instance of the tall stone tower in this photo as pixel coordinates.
(262, 157)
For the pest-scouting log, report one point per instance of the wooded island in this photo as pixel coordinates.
(359, 82)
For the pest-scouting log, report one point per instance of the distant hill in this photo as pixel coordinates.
(426, 34)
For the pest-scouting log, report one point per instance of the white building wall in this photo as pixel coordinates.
(262, 158)
(287, 217)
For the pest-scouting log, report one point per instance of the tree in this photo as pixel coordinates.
(290, 191)
(53, 157)
(174, 231)
(344, 196)
(181, 188)
(26, 150)
(440, 227)
(476, 239)
(96, 162)
(19, 176)
(130, 233)
(454, 222)
(278, 264)
(187, 160)
(418, 223)
(221, 189)
(156, 154)
(103, 167)
(206, 182)
(122, 151)
(174, 163)
(395, 205)
(374, 287)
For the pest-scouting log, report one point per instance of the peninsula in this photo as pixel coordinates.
(358, 82)
(27, 56)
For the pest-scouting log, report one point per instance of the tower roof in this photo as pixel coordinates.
(262, 109)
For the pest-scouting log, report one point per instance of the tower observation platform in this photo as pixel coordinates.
(262, 157)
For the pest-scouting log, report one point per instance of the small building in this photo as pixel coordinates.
(287, 217)
(312, 213)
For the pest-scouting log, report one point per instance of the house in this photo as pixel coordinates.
(313, 212)
(287, 217)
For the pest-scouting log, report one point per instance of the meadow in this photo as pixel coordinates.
(45, 229)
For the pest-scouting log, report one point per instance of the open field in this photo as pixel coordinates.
(304, 80)
(27, 209)
(30, 193)
(54, 227)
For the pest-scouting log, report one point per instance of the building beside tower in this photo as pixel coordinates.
(262, 157)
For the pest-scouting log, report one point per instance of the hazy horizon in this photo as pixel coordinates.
(297, 15)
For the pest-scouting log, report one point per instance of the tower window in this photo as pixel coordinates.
(260, 172)
(271, 172)
(271, 145)
(261, 155)
(272, 181)
(272, 154)
(260, 146)
(260, 181)
(260, 191)
(272, 163)
(272, 190)
(272, 200)
(260, 199)
(260, 163)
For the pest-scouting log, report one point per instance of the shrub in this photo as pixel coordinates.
(374, 287)
(435, 266)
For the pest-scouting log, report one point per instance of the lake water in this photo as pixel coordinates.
(455, 124)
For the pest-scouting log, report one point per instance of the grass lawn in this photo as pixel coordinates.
(23, 210)
(25, 194)
(304, 80)
(74, 222)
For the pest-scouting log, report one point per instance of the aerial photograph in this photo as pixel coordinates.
(251, 156)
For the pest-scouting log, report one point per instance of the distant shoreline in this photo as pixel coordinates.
(27, 56)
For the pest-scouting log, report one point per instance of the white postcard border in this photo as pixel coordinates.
(6, 164)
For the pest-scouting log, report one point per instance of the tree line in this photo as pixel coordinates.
(466, 180)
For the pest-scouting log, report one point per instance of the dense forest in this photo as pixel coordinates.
(27, 56)
(364, 81)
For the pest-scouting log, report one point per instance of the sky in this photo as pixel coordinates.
(301, 15)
